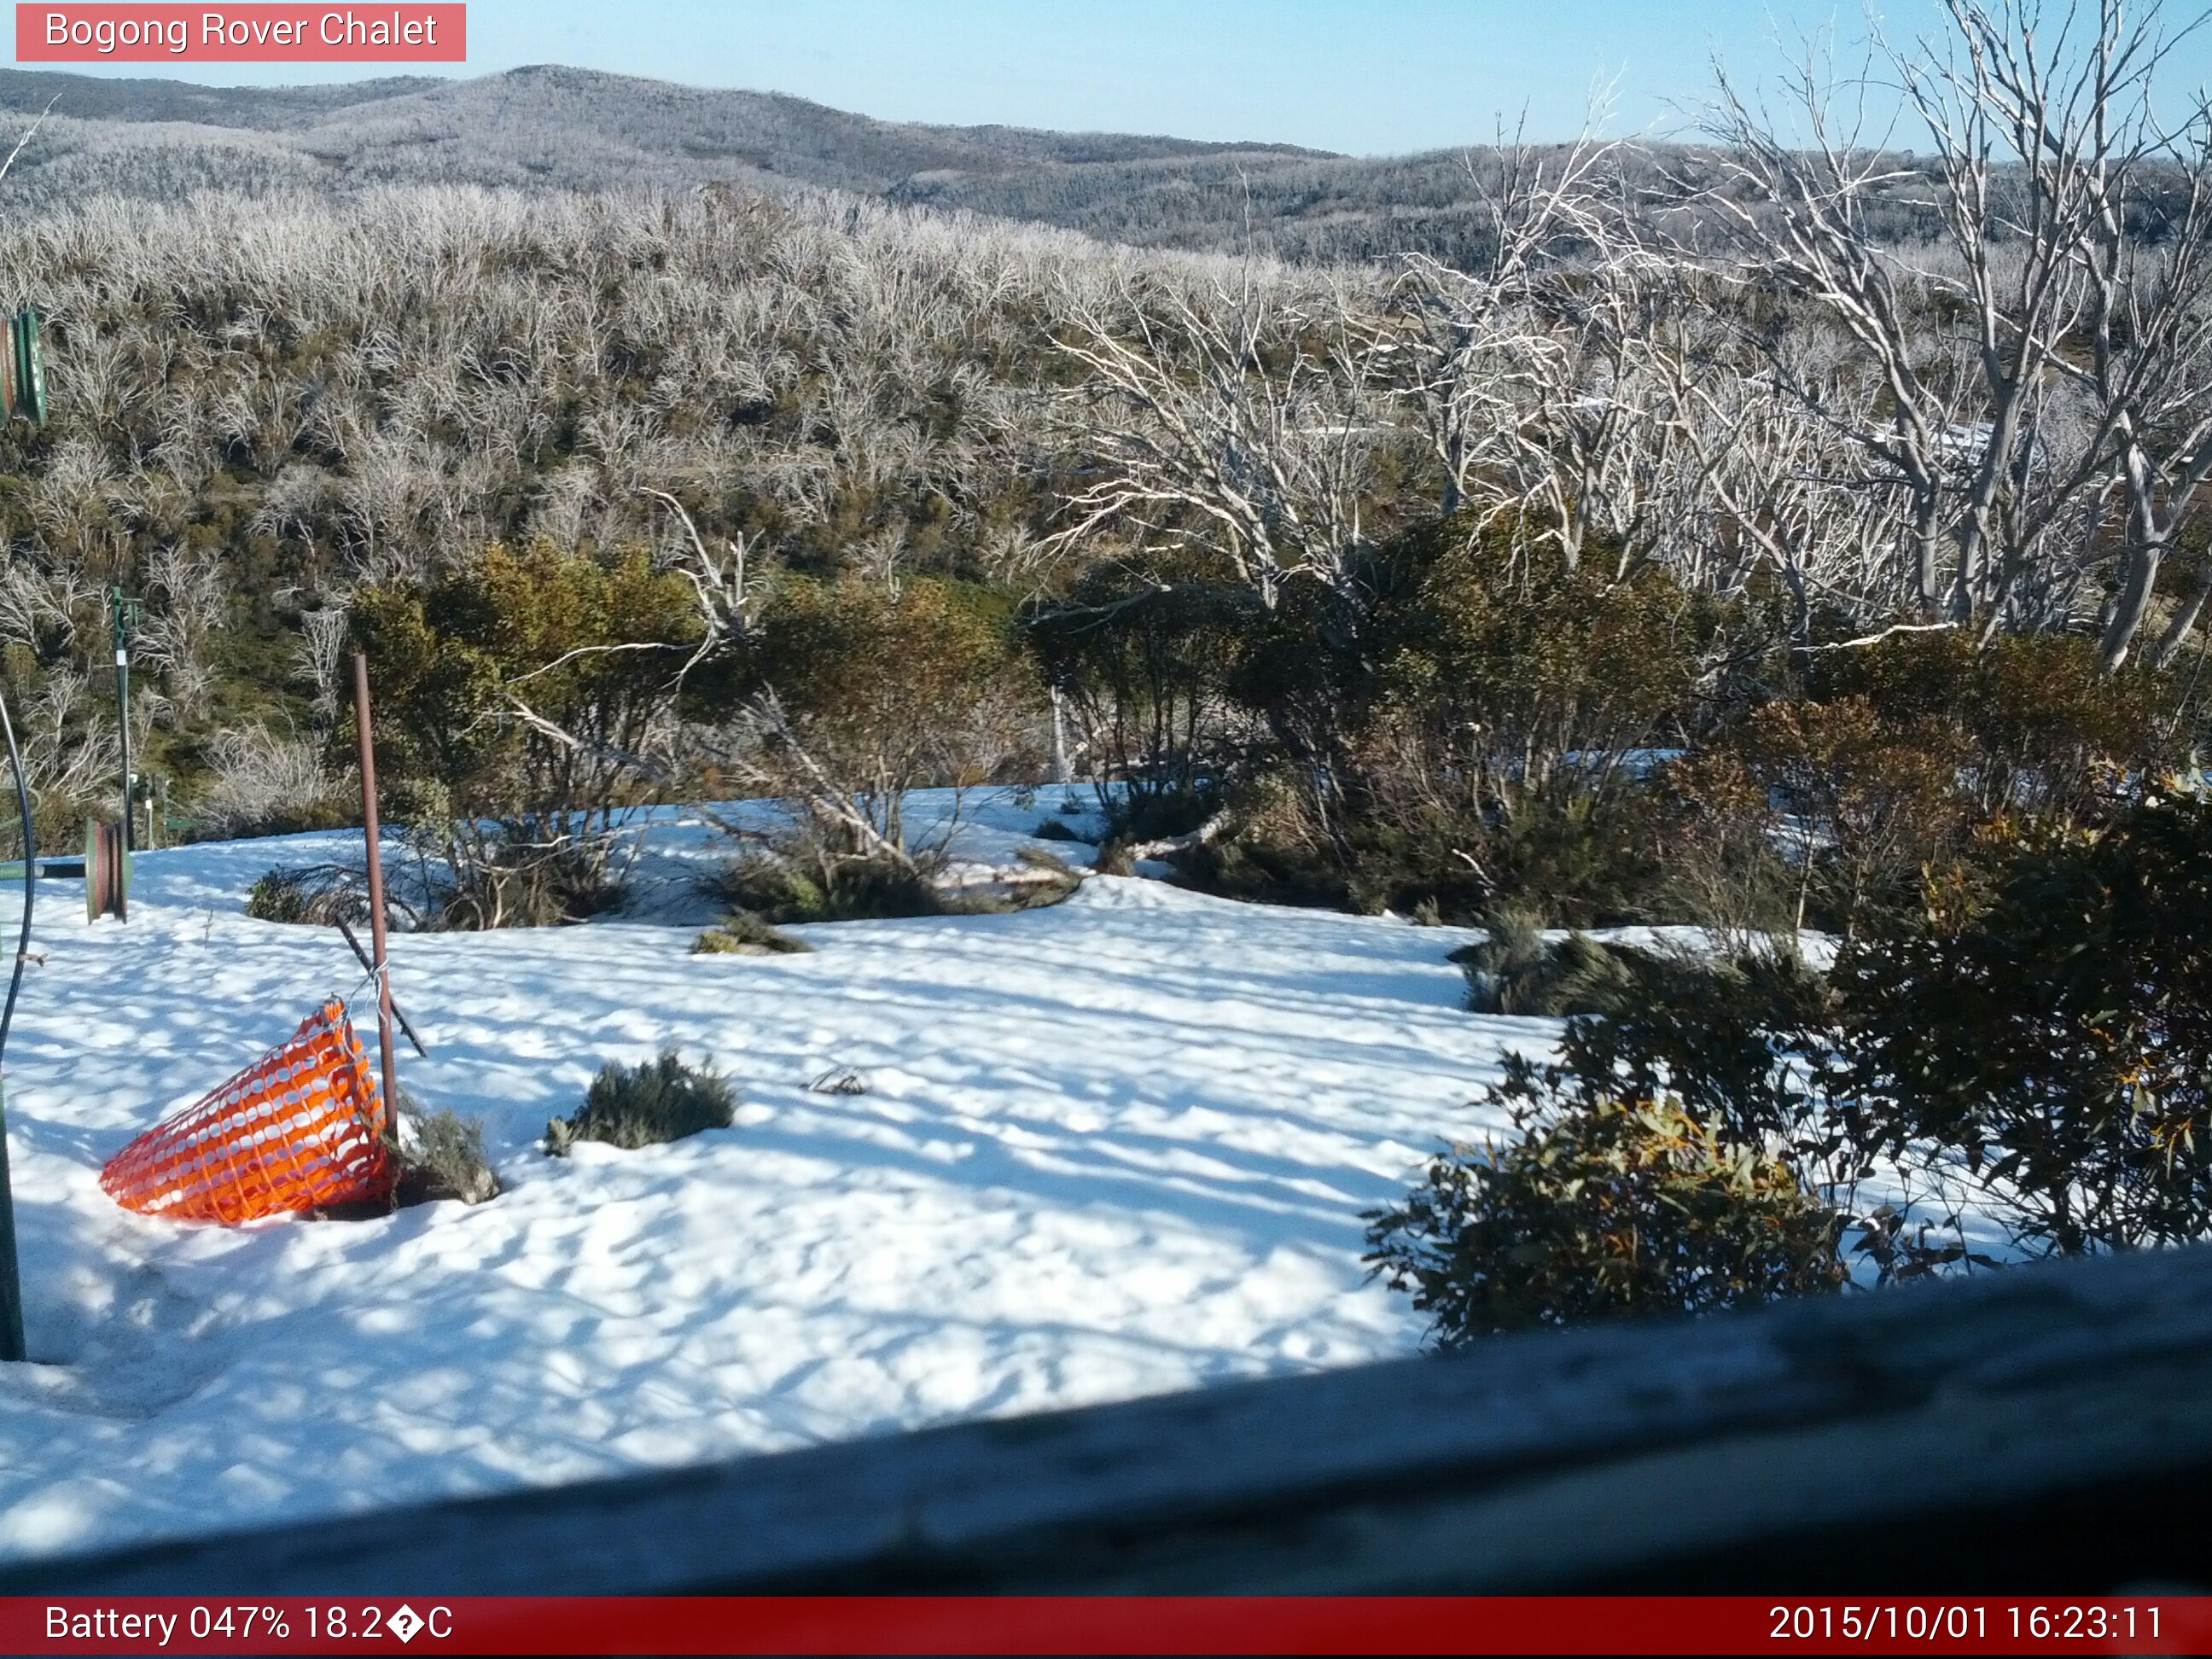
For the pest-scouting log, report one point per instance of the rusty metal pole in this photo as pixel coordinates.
(369, 828)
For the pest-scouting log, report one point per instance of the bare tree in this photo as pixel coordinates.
(2045, 360)
(191, 604)
(1243, 420)
(1473, 345)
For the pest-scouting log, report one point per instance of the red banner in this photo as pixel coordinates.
(1101, 1625)
(123, 34)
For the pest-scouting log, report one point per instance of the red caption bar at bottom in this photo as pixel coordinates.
(1102, 1625)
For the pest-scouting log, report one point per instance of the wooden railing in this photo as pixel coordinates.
(2041, 1430)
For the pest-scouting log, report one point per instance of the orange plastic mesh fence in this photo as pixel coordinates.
(301, 1127)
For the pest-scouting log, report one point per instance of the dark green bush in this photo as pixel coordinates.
(742, 933)
(1748, 1038)
(315, 895)
(1601, 1209)
(647, 1105)
(1699, 1142)
(1468, 744)
(1140, 650)
(2048, 1018)
(1859, 799)
(801, 885)
(441, 1156)
(1517, 971)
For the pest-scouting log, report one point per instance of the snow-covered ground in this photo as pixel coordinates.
(1115, 1147)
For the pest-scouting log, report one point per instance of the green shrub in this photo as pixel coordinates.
(1751, 1041)
(1054, 829)
(1465, 738)
(2048, 1018)
(594, 640)
(861, 693)
(1516, 971)
(2041, 725)
(1604, 1209)
(441, 1156)
(1749, 1038)
(1586, 858)
(802, 884)
(1139, 649)
(528, 871)
(483, 677)
(1865, 798)
(647, 1105)
(316, 895)
(742, 933)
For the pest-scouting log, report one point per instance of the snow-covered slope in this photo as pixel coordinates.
(1113, 1147)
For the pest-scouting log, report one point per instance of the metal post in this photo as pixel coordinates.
(124, 617)
(375, 886)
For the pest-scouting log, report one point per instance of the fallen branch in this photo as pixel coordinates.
(960, 877)
(1168, 846)
(1876, 639)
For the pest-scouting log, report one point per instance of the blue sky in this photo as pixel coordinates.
(1367, 77)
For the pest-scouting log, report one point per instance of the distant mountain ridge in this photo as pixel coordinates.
(597, 115)
(550, 126)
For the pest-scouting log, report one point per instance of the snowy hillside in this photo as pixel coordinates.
(1112, 1148)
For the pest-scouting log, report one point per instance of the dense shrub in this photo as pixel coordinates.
(520, 698)
(742, 933)
(2041, 729)
(1515, 970)
(441, 1156)
(1601, 1208)
(860, 693)
(1748, 1038)
(1857, 802)
(313, 894)
(2037, 1036)
(795, 880)
(843, 699)
(2049, 1018)
(589, 644)
(646, 1105)
(1141, 652)
(1471, 731)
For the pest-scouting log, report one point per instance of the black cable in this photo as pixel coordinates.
(11, 1283)
(30, 875)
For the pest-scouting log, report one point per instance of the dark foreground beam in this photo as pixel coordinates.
(2042, 1429)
